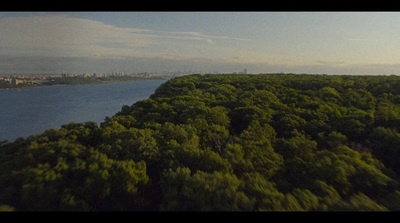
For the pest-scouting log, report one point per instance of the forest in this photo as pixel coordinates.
(221, 142)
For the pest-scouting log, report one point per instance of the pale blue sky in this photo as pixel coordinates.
(262, 42)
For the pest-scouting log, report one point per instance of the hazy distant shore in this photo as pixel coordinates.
(66, 81)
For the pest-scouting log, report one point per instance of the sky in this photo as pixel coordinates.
(225, 42)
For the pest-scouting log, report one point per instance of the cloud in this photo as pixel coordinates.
(193, 36)
(70, 35)
(210, 41)
(58, 35)
(63, 44)
(330, 63)
(356, 39)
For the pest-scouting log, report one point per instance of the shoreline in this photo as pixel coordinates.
(103, 82)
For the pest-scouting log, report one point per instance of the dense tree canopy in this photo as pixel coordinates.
(222, 142)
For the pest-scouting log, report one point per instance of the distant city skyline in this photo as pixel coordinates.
(261, 42)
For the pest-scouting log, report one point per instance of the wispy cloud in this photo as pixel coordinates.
(50, 43)
(55, 35)
(64, 35)
(356, 39)
(210, 41)
(194, 36)
(330, 63)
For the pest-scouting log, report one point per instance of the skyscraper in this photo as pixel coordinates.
(245, 71)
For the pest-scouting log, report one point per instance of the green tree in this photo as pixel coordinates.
(257, 147)
(202, 192)
(385, 144)
(297, 147)
(307, 200)
(287, 123)
(360, 202)
(262, 193)
(218, 115)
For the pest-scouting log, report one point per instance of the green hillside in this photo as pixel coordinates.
(270, 142)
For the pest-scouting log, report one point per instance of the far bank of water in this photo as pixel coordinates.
(28, 111)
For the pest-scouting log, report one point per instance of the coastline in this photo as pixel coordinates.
(92, 82)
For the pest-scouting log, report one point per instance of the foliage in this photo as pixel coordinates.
(267, 142)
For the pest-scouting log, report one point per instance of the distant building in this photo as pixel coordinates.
(245, 71)
(9, 80)
(17, 81)
(66, 75)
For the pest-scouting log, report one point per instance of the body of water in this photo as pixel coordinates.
(29, 111)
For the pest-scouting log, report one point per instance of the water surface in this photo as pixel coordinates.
(28, 111)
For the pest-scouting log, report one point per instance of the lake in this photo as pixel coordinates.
(29, 111)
